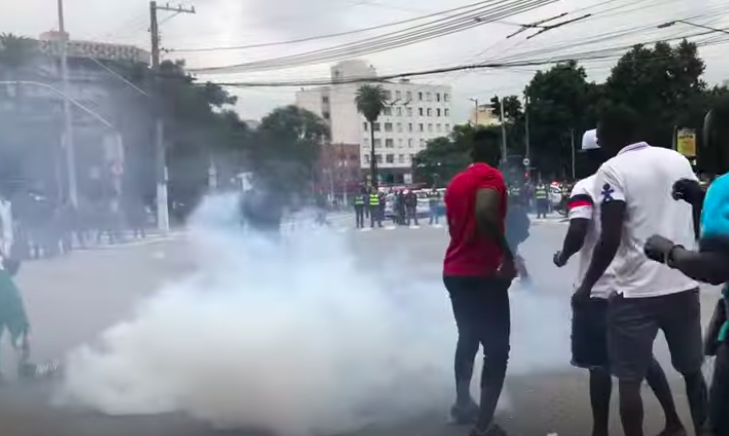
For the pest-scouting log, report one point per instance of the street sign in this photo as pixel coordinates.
(526, 162)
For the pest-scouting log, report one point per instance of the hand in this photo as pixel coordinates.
(508, 270)
(687, 190)
(657, 248)
(581, 296)
(559, 260)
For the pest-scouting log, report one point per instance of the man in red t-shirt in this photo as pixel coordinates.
(477, 272)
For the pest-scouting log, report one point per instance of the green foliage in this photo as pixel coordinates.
(371, 101)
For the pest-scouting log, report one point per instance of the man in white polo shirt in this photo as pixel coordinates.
(633, 191)
(589, 320)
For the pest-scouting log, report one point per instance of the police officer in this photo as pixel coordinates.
(374, 207)
(541, 196)
(359, 207)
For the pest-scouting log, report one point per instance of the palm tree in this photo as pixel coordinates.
(371, 101)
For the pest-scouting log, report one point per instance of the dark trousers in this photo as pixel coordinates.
(542, 208)
(412, 216)
(375, 216)
(719, 393)
(359, 216)
(482, 312)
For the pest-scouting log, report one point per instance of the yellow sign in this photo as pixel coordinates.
(686, 142)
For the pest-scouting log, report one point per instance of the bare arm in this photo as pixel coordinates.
(488, 219)
(707, 267)
(612, 217)
(575, 238)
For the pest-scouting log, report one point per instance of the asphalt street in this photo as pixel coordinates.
(72, 299)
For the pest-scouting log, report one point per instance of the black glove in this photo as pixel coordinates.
(687, 190)
(657, 248)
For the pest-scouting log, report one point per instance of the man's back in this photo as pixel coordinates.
(471, 254)
(643, 176)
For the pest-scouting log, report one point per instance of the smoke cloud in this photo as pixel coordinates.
(298, 338)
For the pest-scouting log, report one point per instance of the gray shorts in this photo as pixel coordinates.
(633, 325)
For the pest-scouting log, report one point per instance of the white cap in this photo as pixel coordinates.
(589, 140)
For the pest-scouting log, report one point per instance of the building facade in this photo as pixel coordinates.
(483, 115)
(415, 114)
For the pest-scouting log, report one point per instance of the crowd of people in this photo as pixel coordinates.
(403, 207)
(646, 233)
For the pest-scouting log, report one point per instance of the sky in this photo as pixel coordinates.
(225, 23)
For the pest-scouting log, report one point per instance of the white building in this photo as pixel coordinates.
(416, 114)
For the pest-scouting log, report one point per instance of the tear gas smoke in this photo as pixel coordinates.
(297, 338)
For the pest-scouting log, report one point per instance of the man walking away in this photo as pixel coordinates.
(541, 196)
(411, 203)
(359, 206)
(477, 271)
(635, 202)
(589, 321)
(433, 202)
(374, 207)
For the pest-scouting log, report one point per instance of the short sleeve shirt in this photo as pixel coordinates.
(581, 205)
(642, 176)
(470, 253)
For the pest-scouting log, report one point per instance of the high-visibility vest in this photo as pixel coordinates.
(359, 200)
(374, 200)
(540, 193)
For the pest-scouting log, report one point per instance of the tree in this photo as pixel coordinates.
(371, 101)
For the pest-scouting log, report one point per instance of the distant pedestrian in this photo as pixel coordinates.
(359, 208)
(433, 204)
(411, 205)
(374, 208)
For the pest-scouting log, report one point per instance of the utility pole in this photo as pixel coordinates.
(475, 114)
(68, 137)
(527, 137)
(504, 155)
(163, 214)
(572, 147)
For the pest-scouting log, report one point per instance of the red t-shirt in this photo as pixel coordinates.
(471, 254)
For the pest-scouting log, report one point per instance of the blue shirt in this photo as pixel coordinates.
(715, 225)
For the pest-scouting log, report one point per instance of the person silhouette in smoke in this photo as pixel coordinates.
(710, 264)
(517, 228)
(589, 321)
(262, 208)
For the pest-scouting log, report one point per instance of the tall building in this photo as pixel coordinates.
(415, 114)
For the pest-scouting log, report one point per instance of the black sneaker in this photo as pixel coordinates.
(494, 430)
(464, 415)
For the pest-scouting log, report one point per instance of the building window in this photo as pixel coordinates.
(399, 143)
(388, 127)
(422, 127)
(409, 96)
(410, 142)
(410, 127)
(420, 96)
(364, 126)
(387, 111)
(367, 158)
(401, 158)
(378, 143)
(422, 144)
(430, 112)
(398, 95)
(448, 127)
(376, 127)
(410, 112)
(437, 128)
(389, 143)
(325, 115)
(399, 127)
(378, 158)
(437, 96)
(446, 112)
(430, 128)
(388, 94)
(412, 156)
(427, 96)
(325, 99)
(399, 111)
(390, 158)
(445, 97)
(420, 111)
(437, 112)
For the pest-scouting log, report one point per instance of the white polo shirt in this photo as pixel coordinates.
(582, 206)
(643, 176)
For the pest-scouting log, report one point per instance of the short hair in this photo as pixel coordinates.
(620, 121)
(486, 146)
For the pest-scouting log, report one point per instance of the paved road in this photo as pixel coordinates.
(72, 299)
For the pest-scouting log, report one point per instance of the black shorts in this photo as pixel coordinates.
(589, 334)
(633, 325)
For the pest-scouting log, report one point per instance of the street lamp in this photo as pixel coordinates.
(688, 23)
